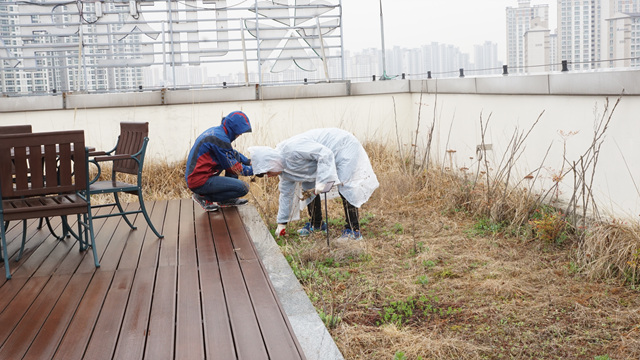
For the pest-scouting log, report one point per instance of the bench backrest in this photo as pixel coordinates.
(45, 163)
(130, 141)
(15, 129)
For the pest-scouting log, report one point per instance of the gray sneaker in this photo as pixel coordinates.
(233, 202)
(204, 203)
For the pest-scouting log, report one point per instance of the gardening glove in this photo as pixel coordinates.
(320, 188)
(281, 230)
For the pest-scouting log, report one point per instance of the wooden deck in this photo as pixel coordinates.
(199, 293)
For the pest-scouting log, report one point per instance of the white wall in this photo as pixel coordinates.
(386, 111)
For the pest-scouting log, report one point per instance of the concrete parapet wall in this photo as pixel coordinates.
(390, 112)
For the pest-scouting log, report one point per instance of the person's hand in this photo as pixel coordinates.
(281, 230)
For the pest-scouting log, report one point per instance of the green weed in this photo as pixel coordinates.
(485, 226)
(329, 320)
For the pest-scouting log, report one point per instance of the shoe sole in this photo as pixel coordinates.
(231, 205)
(210, 209)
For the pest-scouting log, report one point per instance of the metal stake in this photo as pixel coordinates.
(326, 217)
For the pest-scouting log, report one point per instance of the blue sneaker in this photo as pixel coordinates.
(348, 234)
(308, 229)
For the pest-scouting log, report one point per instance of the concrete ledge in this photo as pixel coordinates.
(304, 91)
(596, 83)
(514, 84)
(380, 87)
(31, 103)
(87, 101)
(199, 96)
(313, 336)
(452, 86)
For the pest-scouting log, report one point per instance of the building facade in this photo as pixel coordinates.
(519, 21)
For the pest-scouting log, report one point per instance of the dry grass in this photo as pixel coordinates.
(481, 280)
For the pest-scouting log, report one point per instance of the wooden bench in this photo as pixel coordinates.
(44, 175)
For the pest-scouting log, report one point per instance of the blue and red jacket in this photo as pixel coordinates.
(212, 152)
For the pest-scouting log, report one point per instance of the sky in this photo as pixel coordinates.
(412, 23)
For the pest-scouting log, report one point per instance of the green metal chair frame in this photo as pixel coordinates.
(126, 157)
(28, 193)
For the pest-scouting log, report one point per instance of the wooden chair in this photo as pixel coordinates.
(127, 157)
(50, 179)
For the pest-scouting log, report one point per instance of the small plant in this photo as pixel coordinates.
(331, 321)
(413, 310)
(423, 280)
(428, 264)
(399, 356)
(485, 226)
(366, 219)
(602, 357)
(549, 225)
(397, 228)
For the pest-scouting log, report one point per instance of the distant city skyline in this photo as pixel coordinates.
(413, 23)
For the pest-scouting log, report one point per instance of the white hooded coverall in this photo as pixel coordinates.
(313, 159)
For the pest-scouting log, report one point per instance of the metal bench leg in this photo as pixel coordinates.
(146, 216)
(5, 255)
(126, 219)
(48, 222)
(24, 239)
(87, 236)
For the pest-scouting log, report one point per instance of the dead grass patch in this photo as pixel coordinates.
(479, 280)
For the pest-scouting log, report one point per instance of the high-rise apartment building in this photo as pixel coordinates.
(537, 47)
(621, 44)
(580, 30)
(519, 21)
(485, 58)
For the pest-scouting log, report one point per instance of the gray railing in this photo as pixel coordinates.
(117, 45)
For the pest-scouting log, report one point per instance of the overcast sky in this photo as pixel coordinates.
(412, 23)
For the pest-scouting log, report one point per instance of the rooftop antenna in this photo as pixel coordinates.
(384, 61)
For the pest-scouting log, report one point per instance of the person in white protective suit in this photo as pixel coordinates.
(310, 163)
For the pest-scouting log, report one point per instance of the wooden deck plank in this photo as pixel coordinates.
(189, 336)
(131, 342)
(275, 329)
(186, 241)
(189, 332)
(217, 330)
(222, 240)
(169, 246)
(242, 243)
(111, 243)
(105, 333)
(36, 251)
(54, 328)
(151, 244)
(160, 342)
(134, 327)
(244, 324)
(9, 290)
(16, 309)
(204, 240)
(20, 339)
(78, 333)
(74, 256)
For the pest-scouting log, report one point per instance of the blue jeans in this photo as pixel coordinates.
(221, 188)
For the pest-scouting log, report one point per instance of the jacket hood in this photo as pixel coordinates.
(235, 124)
